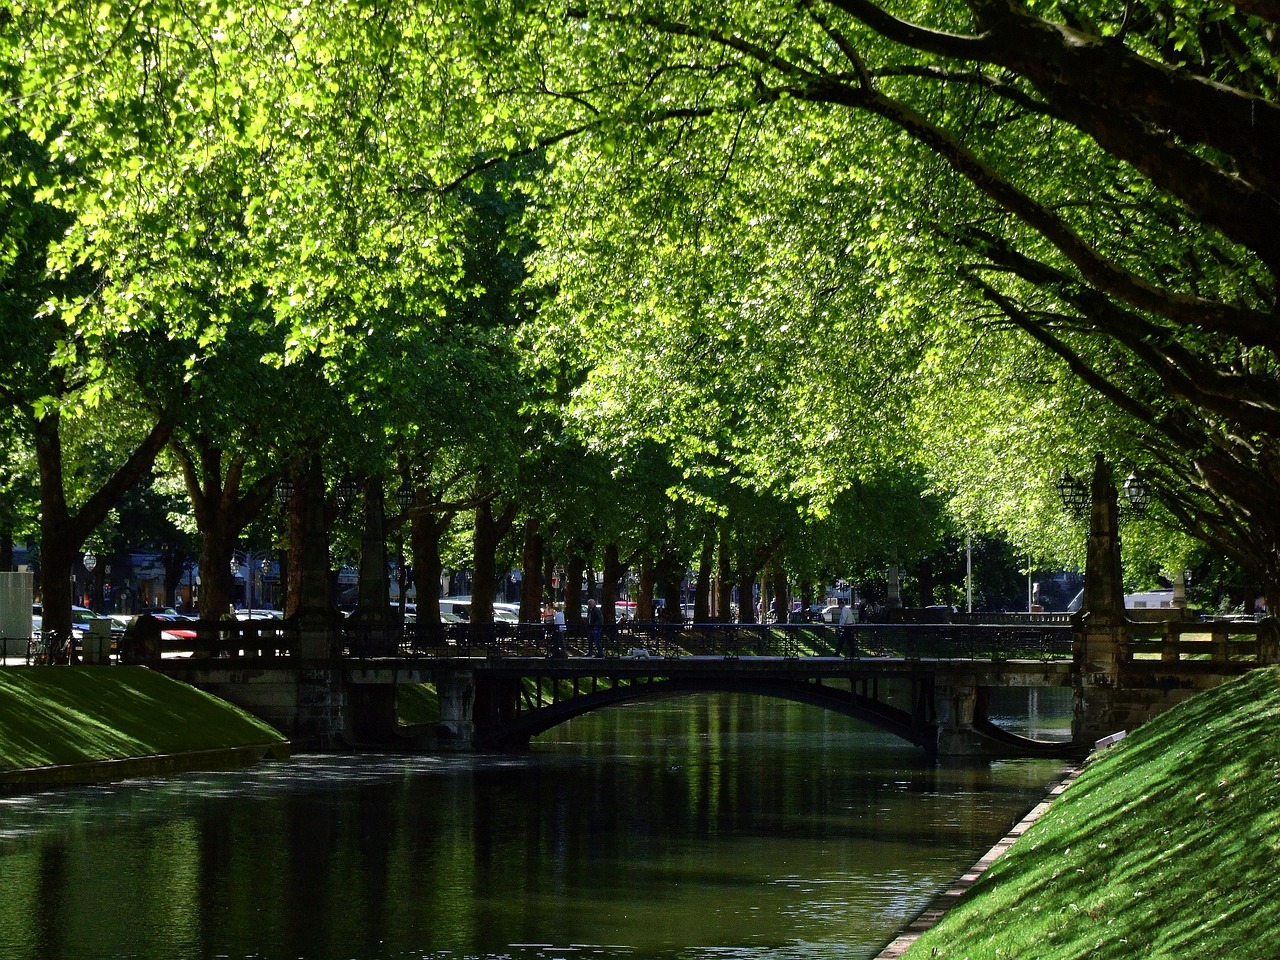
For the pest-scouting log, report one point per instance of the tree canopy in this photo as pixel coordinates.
(807, 253)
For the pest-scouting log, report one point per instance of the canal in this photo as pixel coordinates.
(718, 826)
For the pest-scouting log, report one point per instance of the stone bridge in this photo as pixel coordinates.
(499, 684)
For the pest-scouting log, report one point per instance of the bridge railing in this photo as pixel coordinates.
(963, 641)
(947, 641)
(1217, 641)
(149, 639)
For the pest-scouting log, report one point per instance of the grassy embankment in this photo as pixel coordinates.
(1168, 845)
(54, 716)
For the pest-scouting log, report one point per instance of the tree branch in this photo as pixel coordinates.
(1250, 326)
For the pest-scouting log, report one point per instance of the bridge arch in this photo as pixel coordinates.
(917, 726)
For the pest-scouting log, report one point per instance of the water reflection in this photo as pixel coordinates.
(714, 826)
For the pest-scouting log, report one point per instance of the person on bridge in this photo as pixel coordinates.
(845, 620)
(595, 629)
(551, 624)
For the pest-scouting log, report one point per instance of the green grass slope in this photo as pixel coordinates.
(1168, 845)
(63, 715)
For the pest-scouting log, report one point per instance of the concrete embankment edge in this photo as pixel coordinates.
(157, 765)
(944, 901)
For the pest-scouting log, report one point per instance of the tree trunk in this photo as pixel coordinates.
(724, 578)
(6, 548)
(217, 585)
(926, 582)
(702, 593)
(57, 554)
(746, 597)
(780, 593)
(672, 610)
(613, 573)
(311, 589)
(574, 564)
(62, 533)
(487, 536)
(644, 593)
(531, 591)
(222, 510)
(1271, 584)
(425, 531)
(373, 594)
(174, 566)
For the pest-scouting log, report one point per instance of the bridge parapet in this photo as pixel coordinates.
(150, 639)
(1129, 671)
(910, 641)
(1212, 641)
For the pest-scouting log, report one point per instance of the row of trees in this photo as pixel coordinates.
(640, 286)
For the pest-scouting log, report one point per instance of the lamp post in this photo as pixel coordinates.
(235, 572)
(190, 567)
(894, 598)
(399, 570)
(1103, 578)
(256, 563)
(968, 573)
(90, 562)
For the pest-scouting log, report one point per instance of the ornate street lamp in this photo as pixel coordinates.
(1136, 494)
(345, 491)
(284, 490)
(1073, 493)
(1077, 497)
(404, 497)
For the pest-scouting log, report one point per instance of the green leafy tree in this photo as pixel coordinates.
(1098, 177)
(59, 375)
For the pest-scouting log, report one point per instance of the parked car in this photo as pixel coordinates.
(259, 614)
(506, 612)
(176, 627)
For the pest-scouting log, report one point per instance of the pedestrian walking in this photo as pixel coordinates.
(595, 629)
(844, 629)
(552, 622)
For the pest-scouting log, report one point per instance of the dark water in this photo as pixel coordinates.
(726, 827)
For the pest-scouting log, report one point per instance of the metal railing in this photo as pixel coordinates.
(1186, 641)
(278, 639)
(947, 641)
